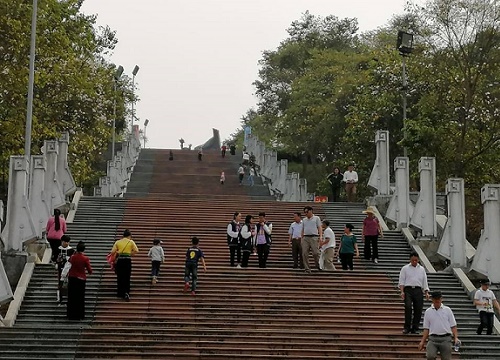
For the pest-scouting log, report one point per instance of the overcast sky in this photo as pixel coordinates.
(198, 58)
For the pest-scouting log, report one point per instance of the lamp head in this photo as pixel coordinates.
(135, 71)
(405, 42)
(118, 72)
(146, 122)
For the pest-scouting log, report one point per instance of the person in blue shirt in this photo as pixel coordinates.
(193, 255)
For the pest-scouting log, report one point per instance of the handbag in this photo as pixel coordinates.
(65, 271)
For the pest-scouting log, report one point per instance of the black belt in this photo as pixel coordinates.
(295, 238)
(310, 235)
(442, 335)
(413, 287)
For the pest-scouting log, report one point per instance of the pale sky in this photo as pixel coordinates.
(198, 58)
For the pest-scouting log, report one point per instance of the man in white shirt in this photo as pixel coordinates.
(485, 302)
(241, 173)
(350, 179)
(413, 284)
(312, 234)
(294, 239)
(327, 247)
(439, 326)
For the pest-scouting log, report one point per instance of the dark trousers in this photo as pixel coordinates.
(54, 245)
(234, 252)
(223, 153)
(240, 177)
(76, 299)
(262, 254)
(371, 247)
(346, 261)
(245, 257)
(297, 254)
(486, 322)
(155, 267)
(414, 298)
(123, 271)
(191, 272)
(335, 194)
(62, 290)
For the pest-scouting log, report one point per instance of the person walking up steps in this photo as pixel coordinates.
(157, 256)
(241, 174)
(123, 250)
(193, 255)
(65, 252)
(294, 239)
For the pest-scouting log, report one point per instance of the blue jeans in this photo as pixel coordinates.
(191, 271)
(155, 267)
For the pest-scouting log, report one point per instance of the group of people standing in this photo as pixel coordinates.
(247, 238)
(350, 180)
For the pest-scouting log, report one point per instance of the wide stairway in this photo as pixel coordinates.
(272, 313)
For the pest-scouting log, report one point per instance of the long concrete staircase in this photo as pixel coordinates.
(273, 313)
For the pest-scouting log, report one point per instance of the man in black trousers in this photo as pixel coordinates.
(413, 285)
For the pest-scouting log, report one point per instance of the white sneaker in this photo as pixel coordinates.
(238, 266)
(375, 261)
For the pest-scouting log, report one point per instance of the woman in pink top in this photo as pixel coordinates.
(371, 231)
(56, 228)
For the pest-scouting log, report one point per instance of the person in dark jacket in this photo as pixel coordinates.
(263, 230)
(233, 231)
(335, 179)
(247, 234)
(77, 278)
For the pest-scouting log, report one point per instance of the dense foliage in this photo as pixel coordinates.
(74, 87)
(326, 89)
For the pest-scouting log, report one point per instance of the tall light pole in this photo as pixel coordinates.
(31, 81)
(116, 77)
(405, 47)
(145, 127)
(134, 73)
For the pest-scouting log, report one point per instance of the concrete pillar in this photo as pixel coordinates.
(63, 171)
(19, 225)
(486, 259)
(53, 189)
(424, 215)
(379, 178)
(400, 207)
(453, 242)
(104, 185)
(112, 175)
(40, 210)
(295, 187)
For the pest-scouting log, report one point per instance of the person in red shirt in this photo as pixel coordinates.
(77, 278)
(223, 150)
(370, 234)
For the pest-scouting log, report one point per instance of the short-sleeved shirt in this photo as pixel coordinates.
(295, 230)
(439, 321)
(193, 255)
(125, 246)
(347, 244)
(485, 296)
(311, 225)
(328, 234)
(370, 226)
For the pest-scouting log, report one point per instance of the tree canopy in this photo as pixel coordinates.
(326, 89)
(73, 89)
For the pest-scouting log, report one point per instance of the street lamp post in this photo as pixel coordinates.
(118, 74)
(405, 47)
(145, 127)
(134, 73)
(31, 81)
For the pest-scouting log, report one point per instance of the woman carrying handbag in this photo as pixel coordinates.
(123, 250)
